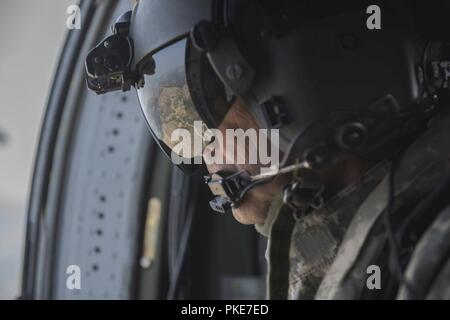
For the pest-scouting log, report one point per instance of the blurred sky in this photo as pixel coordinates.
(31, 35)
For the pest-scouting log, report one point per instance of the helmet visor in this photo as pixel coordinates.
(167, 104)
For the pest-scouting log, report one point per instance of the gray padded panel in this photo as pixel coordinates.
(98, 226)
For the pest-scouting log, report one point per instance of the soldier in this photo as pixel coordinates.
(362, 113)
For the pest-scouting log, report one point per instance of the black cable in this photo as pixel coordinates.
(394, 264)
(434, 202)
(424, 69)
(180, 259)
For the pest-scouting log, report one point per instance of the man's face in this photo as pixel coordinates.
(253, 209)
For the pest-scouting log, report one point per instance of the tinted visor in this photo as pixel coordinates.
(167, 104)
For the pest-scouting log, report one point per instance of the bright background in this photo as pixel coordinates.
(31, 35)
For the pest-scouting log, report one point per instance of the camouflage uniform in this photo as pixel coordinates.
(325, 254)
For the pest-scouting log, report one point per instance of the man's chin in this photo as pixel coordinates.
(247, 217)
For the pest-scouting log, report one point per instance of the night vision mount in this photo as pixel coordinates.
(108, 65)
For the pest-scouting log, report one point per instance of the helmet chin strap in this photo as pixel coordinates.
(230, 188)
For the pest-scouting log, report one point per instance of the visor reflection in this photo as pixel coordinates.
(166, 101)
